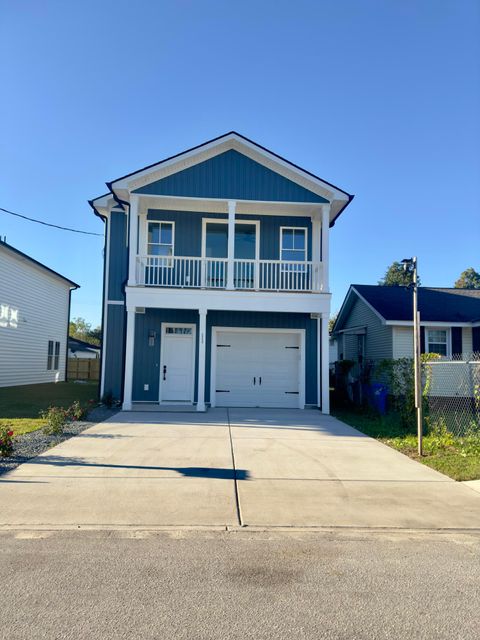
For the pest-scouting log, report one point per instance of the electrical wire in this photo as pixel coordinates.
(48, 224)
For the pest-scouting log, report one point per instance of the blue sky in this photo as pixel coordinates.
(381, 97)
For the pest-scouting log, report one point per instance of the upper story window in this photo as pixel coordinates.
(160, 239)
(436, 341)
(53, 355)
(293, 244)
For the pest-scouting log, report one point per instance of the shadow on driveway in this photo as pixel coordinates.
(191, 472)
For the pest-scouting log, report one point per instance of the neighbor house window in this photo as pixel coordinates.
(160, 239)
(53, 355)
(293, 246)
(436, 341)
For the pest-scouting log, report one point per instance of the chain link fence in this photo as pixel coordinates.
(452, 390)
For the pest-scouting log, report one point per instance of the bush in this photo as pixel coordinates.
(76, 411)
(6, 441)
(56, 418)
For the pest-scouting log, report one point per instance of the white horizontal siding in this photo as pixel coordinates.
(402, 342)
(42, 303)
(467, 341)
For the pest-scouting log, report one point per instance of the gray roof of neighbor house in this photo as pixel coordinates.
(74, 344)
(435, 304)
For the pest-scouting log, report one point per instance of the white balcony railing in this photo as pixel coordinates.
(212, 273)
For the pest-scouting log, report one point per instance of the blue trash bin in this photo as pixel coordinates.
(379, 393)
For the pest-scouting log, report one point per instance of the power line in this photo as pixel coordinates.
(48, 224)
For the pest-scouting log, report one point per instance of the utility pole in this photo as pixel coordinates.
(417, 360)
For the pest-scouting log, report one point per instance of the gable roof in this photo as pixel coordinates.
(81, 345)
(123, 186)
(394, 304)
(43, 267)
(231, 175)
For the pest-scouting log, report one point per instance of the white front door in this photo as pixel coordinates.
(258, 369)
(177, 363)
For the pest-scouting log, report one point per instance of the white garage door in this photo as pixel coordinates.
(257, 369)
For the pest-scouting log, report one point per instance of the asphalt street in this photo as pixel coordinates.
(193, 584)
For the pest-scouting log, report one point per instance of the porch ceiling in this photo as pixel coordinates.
(217, 205)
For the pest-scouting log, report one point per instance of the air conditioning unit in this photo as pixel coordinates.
(139, 309)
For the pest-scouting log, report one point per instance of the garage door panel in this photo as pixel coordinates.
(257, 369)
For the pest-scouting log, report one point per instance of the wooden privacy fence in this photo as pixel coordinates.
(83, 369)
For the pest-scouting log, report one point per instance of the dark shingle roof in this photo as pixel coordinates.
(435, 304)
(81, 345)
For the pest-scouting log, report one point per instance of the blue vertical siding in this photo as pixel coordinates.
(117, 271)
(231, 175)
(188, 230)
(114, 350)
(147, 358)
(265, 320)
(146, 361)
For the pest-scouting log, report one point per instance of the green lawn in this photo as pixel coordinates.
(20, 406)
(458, 458)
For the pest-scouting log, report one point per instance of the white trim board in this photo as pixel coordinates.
(224, 300)
(427, 323)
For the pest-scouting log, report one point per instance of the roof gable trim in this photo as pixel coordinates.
(217, 146)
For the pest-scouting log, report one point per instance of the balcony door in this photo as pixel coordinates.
(215, 250)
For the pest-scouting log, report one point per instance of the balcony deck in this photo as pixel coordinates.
(182, 272)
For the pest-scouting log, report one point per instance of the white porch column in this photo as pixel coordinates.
(325, 376)
(129, 349)
(231, 242)
(202, 345)
(325, 245)
(316, 251)
(133, 240)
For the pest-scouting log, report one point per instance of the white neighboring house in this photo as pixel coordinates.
(34, 317)
(82, 350)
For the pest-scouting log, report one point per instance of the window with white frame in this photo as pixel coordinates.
(160, 239)
(293, 246)
(436, 341)
(53, 355)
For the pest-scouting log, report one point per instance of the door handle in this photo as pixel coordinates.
(260, 380)
(254, 381)
(164, 371)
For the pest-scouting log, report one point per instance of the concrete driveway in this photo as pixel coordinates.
(225, 468)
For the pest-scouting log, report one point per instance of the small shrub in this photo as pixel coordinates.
(56, 418)
(76, 411)
(6, 441)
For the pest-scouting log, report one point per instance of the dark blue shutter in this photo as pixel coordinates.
(422, 339)
(457, 341)
(476, 339)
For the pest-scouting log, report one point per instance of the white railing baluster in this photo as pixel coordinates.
(211, 273)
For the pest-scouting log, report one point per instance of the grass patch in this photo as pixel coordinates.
(20, 406)
(458, 458)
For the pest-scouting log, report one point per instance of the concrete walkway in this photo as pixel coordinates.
(228, 468)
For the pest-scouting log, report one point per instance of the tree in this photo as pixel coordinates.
(81, 329)
(469, 279)
(331, 323)
(397, 276)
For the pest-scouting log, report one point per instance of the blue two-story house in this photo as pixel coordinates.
(216, 280)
